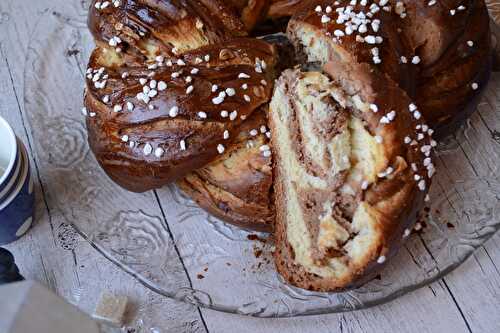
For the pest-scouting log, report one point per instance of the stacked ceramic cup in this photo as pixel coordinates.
(16, 186)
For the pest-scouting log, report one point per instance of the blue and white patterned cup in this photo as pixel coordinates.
(16, 186)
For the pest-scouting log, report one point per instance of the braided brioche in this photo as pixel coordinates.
(440, 64)
(454, 48)
(178, 91)
(172, 100)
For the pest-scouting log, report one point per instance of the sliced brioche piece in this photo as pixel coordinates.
(347, 185)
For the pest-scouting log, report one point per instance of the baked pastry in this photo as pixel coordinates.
(446, 60)
(168, 87)
(237, 187)
(494, 9)
(454, 49)
(175, 90)
(283, 8)
(347, 186)
(352, 150)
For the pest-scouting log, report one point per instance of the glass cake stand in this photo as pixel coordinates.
(176, 249)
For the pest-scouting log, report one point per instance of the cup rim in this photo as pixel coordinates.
(22, 179)
(13, 154)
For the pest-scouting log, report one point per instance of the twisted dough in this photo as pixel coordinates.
(175, 90)
(168, 87)
(352, 148)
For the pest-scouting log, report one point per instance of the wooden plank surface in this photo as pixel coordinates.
(465, 301)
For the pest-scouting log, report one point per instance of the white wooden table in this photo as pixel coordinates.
(467, 300)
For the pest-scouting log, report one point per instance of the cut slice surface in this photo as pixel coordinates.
(344, 183)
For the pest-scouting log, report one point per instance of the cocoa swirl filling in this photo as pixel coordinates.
(341, 205)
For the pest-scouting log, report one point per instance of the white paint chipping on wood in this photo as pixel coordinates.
(466, 300)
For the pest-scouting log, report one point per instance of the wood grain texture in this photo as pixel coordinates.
(465, 301)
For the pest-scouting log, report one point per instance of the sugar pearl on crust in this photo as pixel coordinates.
(381, 259)
(219, 99)
(183, 145)
(130, 106)
(421, 185)
(162, 86)
(264, 148)
(220, 148)
(173, 112)
(159, 152)
(148, 149)
(325, 19)
(233, 115)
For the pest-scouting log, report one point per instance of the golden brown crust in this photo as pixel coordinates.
(237, 187)
(494, 10)
(446, 58)
(349, 49)
(284, 8)
(165, 24)
(453, 63)
(173, 100)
